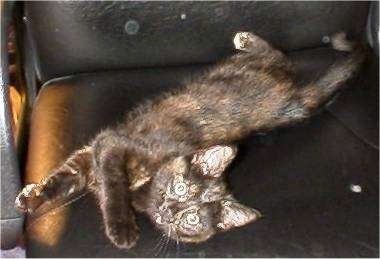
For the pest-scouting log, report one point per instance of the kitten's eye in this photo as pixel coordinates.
(192, 219)
(180, 189)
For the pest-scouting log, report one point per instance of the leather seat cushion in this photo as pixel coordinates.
(298, 177)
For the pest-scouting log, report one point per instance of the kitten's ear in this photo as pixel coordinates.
(234, 214)
(214, 160)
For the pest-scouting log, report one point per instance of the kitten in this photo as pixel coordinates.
(167, 158)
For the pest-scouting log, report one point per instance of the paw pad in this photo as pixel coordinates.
(241, 40)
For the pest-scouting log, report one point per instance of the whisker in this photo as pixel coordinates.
(157, 247)
(158, 252)
(167, 242)
(177, 245)
(161, 245)
(157, 241)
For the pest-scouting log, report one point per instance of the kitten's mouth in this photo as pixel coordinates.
(165, 219)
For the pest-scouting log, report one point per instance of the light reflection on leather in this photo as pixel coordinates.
(46, 151)
(17, 103)
(16, 87)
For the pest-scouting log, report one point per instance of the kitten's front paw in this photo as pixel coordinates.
(29, 199)
(122, 234)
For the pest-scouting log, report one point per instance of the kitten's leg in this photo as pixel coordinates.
(113, 193)
(311, 97)
(318, 93)
(70, 178)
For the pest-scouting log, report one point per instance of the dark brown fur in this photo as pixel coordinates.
(128, 167)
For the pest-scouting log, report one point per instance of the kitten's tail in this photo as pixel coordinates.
(318, 93)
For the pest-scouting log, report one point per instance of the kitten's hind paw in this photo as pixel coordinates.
(124, 235)
(249, 42)
(29, 199)
(241, 40)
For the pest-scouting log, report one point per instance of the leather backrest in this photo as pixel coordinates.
(11, 221)
(74, 37)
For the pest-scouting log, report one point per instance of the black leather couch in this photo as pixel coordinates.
(317, 184)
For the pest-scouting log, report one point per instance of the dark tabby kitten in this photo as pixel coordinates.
(166, 160)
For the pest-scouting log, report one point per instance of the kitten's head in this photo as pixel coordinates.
(188, 198)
